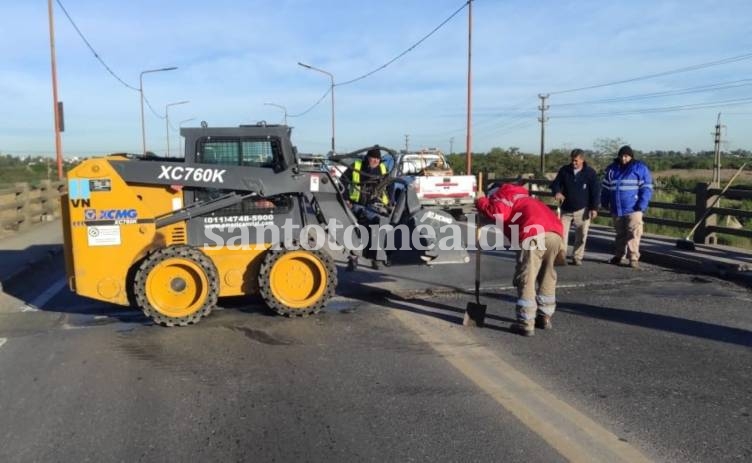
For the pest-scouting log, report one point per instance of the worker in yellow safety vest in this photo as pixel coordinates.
(361, 180)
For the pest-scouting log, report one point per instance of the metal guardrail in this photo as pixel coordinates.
(24, 205)
(704, 197)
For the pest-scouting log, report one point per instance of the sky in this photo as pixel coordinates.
(235, 57)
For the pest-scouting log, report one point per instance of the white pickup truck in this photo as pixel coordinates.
(434, 181)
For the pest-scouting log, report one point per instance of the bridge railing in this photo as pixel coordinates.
(23, 205)
(705, 196)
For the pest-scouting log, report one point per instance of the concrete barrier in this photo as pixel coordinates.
(24, 205)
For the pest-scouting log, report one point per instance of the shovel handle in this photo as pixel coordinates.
(477, 243)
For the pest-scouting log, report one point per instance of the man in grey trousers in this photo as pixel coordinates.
(577, 189)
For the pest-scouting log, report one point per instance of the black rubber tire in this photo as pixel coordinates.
(277, 306)
(181, 252)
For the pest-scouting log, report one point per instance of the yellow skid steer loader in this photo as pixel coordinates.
(171, 235)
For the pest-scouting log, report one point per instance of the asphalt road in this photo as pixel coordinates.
(647, 364)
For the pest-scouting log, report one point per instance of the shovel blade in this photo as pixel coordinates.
(475, 315)
(686, 245)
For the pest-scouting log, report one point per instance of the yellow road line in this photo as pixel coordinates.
(573, 434)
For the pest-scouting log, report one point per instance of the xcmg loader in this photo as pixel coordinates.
(171, 235)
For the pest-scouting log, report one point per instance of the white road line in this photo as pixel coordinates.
(2, 341)
(45, 297)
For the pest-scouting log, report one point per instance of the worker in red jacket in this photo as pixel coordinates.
(540, 232)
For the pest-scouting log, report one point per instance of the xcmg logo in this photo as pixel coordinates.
(119, 215)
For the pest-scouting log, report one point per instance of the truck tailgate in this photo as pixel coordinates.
(457, 187)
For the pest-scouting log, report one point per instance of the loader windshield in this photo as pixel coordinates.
(238, 152)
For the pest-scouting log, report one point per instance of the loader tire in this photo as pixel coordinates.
(176, 286)
(297, 282)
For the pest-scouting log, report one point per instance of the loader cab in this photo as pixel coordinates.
(264, 147)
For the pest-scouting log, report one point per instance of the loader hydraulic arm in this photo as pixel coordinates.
(200, 208)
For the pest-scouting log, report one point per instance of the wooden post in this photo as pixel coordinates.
(46, 200)
(703, 199)
(22, 206)
(711, 220)
(60, 188)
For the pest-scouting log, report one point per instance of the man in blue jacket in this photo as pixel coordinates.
(577, 189)
(626, 190)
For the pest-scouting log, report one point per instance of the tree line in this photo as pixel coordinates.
(512, 163)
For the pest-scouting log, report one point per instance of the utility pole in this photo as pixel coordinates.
(407, 140)
(542, 119)
(469, 141)
(56, 106)
(717, 154)
(451, 145)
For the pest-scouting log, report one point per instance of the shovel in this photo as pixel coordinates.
(561, 256)
(475, 312)
(689, 245)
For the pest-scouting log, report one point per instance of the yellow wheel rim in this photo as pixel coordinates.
(298, 279)
(177, 287)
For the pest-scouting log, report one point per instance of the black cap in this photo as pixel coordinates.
(626, 149)
(374, 153)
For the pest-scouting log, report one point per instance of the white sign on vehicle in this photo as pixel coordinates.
(103, 235)
(200, 174)
(314, 183)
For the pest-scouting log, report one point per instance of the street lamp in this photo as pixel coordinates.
(180, 126)
(141, 91)
(280, 107)
(331, 77)
(167, 121)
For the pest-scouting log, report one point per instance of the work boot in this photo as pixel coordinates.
(615, 261)
(634, 264)
(543, 322)
(352, 264)
(376, 265)
(523, 328)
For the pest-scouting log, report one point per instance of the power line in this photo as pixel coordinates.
(506, 128)
(689, 107)
(513, 114)
(329, 89)
(693, 67)
(383, 66)
(96, 55)
(514, 123)
(154, 111)
(411, 48)
(643, 96)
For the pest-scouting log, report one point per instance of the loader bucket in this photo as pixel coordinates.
(442, 248)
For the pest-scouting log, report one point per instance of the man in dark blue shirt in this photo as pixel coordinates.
(577, 189)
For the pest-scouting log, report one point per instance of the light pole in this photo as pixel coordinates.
(180, 126)
(141, 91)
(167, 121)
(280, 107)
(331, 77)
